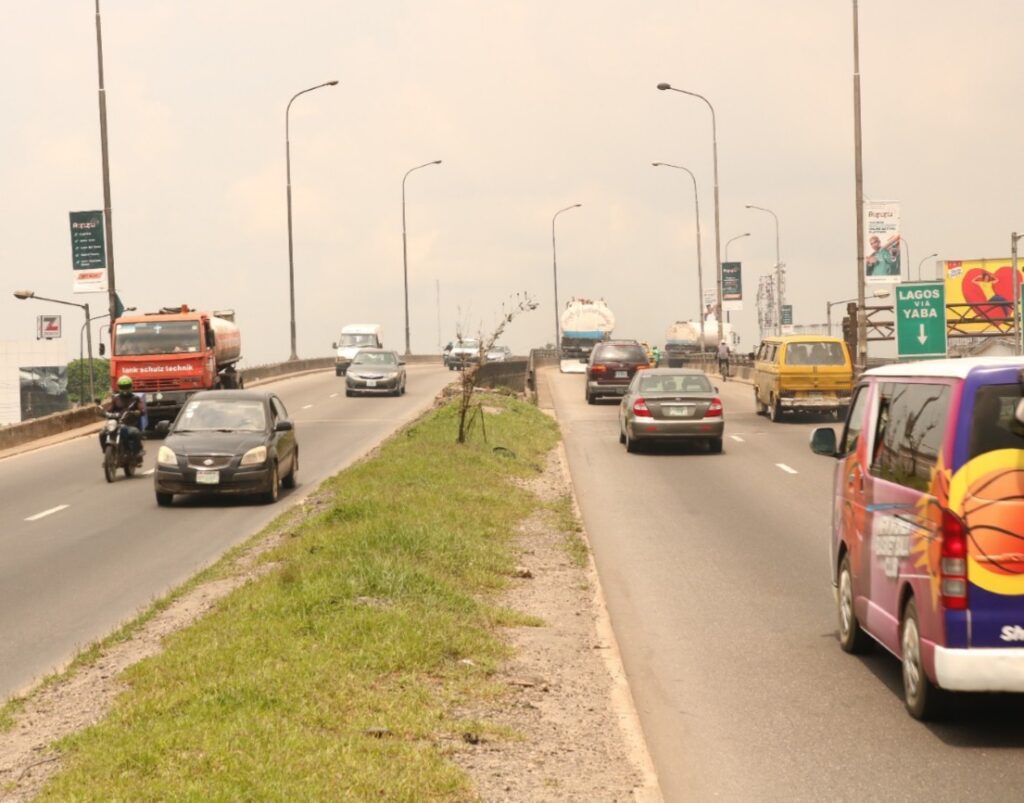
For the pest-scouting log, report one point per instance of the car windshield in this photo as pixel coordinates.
(375, 358)
(815, 354)
(156, 337)
(620, 354)
(993, 425)
(236, 415)
(468, 344)
(680, 383)
(358, 340)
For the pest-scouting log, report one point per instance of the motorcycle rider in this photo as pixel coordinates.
(723, 359)
(135, 419)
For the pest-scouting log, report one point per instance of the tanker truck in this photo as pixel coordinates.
(584, 324)
(684, 339)
(173, 353)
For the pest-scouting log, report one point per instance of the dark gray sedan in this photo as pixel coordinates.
(227, 442)
(375, 371)
(671, 404)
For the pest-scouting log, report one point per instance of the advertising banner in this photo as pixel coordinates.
(88, 252)
(732, 286)
(882, 242)
(710, 302)
(47, 327)
(987, 284)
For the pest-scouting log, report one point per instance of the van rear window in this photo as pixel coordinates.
(619, 354)
(993, 425)
(821, 353)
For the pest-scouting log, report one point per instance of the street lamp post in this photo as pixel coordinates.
(700, 268)
(26, 294)
(830, 304)
(718, 241)
(288, 171)
(731, 239)
(861, 359)
(405, 256)
(554, 265)
(778, 269)
(923, 260)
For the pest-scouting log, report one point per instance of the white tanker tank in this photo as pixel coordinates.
(685, 338)
(584, 323)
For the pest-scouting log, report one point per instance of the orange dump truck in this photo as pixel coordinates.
(173, 353)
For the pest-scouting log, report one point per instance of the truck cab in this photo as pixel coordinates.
(353, 337)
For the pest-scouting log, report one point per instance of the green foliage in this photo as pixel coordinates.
(78, 379)
(336, 675)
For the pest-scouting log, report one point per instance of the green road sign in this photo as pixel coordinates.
(921, 319)
(787, 314)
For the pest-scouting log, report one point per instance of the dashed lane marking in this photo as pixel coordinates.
(787, 469)
(737, 438)
(46, 513)
(306, 406)
(332, 395)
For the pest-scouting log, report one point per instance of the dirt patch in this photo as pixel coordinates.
(577, 737)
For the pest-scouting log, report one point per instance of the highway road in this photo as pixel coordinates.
(715, 570)
(79, 556)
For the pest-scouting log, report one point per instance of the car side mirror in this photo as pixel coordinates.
(284, 426)
(823, 441)
(163, 427)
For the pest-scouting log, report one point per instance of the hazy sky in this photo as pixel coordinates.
(533, 106)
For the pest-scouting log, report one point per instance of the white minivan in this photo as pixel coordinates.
(353, 337)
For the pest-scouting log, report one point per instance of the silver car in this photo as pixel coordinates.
(671, 404)
(375, 371)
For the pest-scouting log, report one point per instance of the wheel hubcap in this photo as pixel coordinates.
(911, 658)
(845, 604)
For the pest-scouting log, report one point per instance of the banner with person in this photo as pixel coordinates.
(882, 242)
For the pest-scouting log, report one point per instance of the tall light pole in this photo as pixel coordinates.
(923, 260)
(906, 250)
(405, 253)
(107, 213)
(830, 304)
(26, 294)
(861, 358)
(778, 269)
(288, 170)
(554, 265)
(731, 239)
(718, 241)
(700, 268)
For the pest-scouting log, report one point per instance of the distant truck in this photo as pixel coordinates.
(684, 338)
(584, 323)
(353, 337)
(173, 353)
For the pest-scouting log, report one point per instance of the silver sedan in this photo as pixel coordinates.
(671, 404)
(375, 371)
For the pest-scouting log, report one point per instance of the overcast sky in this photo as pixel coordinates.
(533, 105)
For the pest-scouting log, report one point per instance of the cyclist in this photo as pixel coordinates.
(723, 359)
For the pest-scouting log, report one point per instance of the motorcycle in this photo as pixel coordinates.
(116, 450)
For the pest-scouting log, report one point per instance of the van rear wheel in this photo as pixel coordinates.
(774, 410)
(922, 697)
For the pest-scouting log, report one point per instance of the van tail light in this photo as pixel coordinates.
(953, 564)
(640, 409)
(715, 409)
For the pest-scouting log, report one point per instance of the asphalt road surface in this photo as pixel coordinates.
(715, 570)
(79, 556)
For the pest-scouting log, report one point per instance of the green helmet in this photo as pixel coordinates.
(124, 384)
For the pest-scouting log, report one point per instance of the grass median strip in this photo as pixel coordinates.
(336, 675)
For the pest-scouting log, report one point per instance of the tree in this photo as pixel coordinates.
(517, 306)
(78, 379)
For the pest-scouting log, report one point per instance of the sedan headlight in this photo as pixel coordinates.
(254, 456)
(166, 457)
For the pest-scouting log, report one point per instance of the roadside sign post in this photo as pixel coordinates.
(921, 319)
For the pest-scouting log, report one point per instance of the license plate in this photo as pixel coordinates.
(621, 374)
(207, 477)
(680, 411)
(371, 383)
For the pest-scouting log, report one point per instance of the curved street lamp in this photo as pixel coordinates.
(778, 269)
(23, 295)
(288, 171)
(830, 304)
(700, 268)
(714, 151)
(405, 253)
(923, 260)
(554, 265)
(731, 239)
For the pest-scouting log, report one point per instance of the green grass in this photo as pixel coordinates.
(336, 675)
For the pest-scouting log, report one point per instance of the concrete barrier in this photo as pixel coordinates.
(509, 374)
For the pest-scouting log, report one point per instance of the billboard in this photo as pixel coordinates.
(882, 242)
(987, 284)
(88, 252)
(732, 286)
(47, 327)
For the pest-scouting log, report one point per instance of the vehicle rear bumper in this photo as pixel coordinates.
(608, 388)
(980, 669)
(658, 429)
(813, 402)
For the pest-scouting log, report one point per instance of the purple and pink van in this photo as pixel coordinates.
(928, 523)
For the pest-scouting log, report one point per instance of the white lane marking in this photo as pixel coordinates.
(737, 438)
(333, 395)
(46, 513)
(306, 406)
(147, 473)
(787, 469)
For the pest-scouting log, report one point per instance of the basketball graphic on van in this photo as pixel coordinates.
(988, 494)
